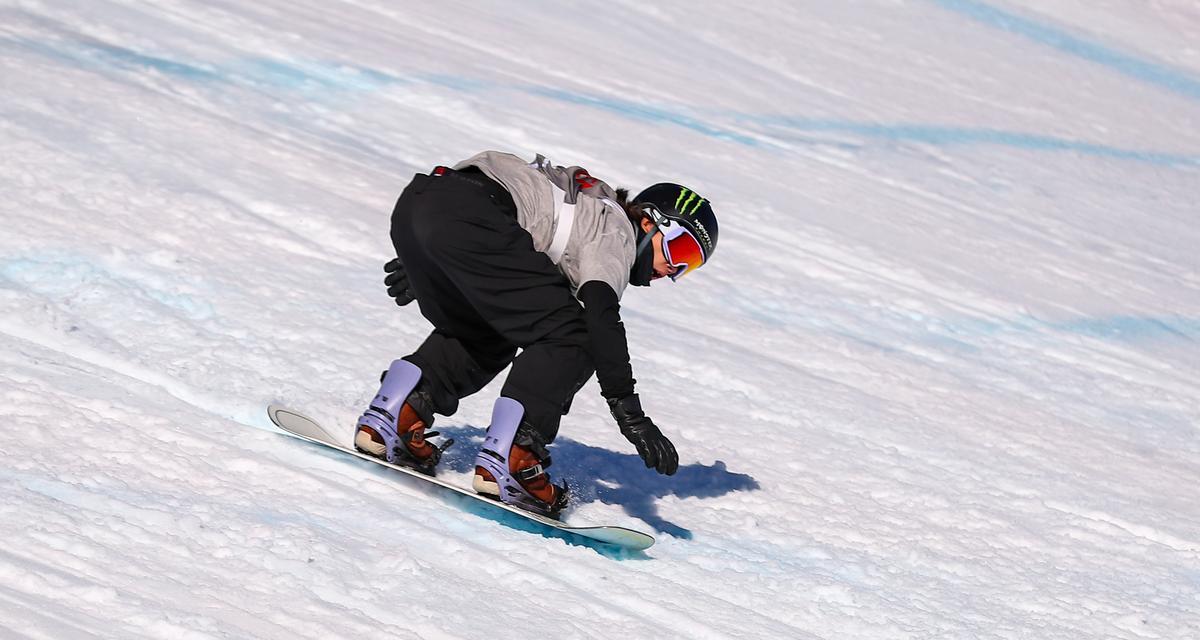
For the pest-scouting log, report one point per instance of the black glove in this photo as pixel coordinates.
(654, 448)
(397, 283)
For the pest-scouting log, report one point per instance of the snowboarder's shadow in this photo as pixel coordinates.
(611, 477)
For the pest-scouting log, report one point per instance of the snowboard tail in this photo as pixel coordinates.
(305, 428)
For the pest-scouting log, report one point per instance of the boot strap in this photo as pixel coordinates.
(383, 412)
(529, 473)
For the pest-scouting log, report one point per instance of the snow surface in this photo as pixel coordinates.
(939, 382)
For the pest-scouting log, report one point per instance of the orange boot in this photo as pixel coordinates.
(410, 428)
(393, 426)
(523, 463)
(512, 463)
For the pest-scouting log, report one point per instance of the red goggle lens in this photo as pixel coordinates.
(682, 250)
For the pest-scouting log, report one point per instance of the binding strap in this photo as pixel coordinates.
(529, 473)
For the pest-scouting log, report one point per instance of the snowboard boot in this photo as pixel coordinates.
(512, 464)
(393, 427)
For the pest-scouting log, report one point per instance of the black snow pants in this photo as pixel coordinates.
(488, 293)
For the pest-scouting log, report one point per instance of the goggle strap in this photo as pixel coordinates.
(649, 236)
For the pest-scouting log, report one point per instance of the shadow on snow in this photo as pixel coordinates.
(597, 474)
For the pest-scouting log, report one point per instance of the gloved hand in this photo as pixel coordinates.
(654, 448)
(397, 283)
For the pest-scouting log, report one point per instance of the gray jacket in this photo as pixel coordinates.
(599, 243)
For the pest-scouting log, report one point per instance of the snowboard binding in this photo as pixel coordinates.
(403, 451)
(511, 465)
(393, 426)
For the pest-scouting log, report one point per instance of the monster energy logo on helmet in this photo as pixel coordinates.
(684, 192)
(688, 208)
(686, 196)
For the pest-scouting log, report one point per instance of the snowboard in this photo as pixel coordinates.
(305, 428)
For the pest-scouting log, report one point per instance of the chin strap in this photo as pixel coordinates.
(645, 243)
(643, 267)
(643, 258)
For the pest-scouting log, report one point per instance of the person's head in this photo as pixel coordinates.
(679, 225)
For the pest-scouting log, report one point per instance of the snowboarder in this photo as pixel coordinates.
(502, 254)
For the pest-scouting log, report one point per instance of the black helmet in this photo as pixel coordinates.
(677, 203)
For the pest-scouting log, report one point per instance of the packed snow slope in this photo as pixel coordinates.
(940, 380)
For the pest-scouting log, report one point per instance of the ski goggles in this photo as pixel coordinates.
(681, 249)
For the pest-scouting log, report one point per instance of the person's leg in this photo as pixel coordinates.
(480, 266)
(513, 461)
(546, 376)
(473, 266)
(454, 369)
(464, 352)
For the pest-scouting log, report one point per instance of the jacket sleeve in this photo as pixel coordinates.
(610, 351)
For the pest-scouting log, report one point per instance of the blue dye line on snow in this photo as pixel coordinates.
(294, 75)
(1125, 328)
(959, 136)
(1165, 76)
(129, 59)
(462, 84)
(61, 277)
(916, 133)
(300, 75)
(644, 113)
(327, 76)
(1131, 328)
(92, 53)
(310, 75)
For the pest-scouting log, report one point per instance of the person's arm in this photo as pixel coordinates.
(610, 352)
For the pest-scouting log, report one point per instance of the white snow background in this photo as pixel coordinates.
(940, 380)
